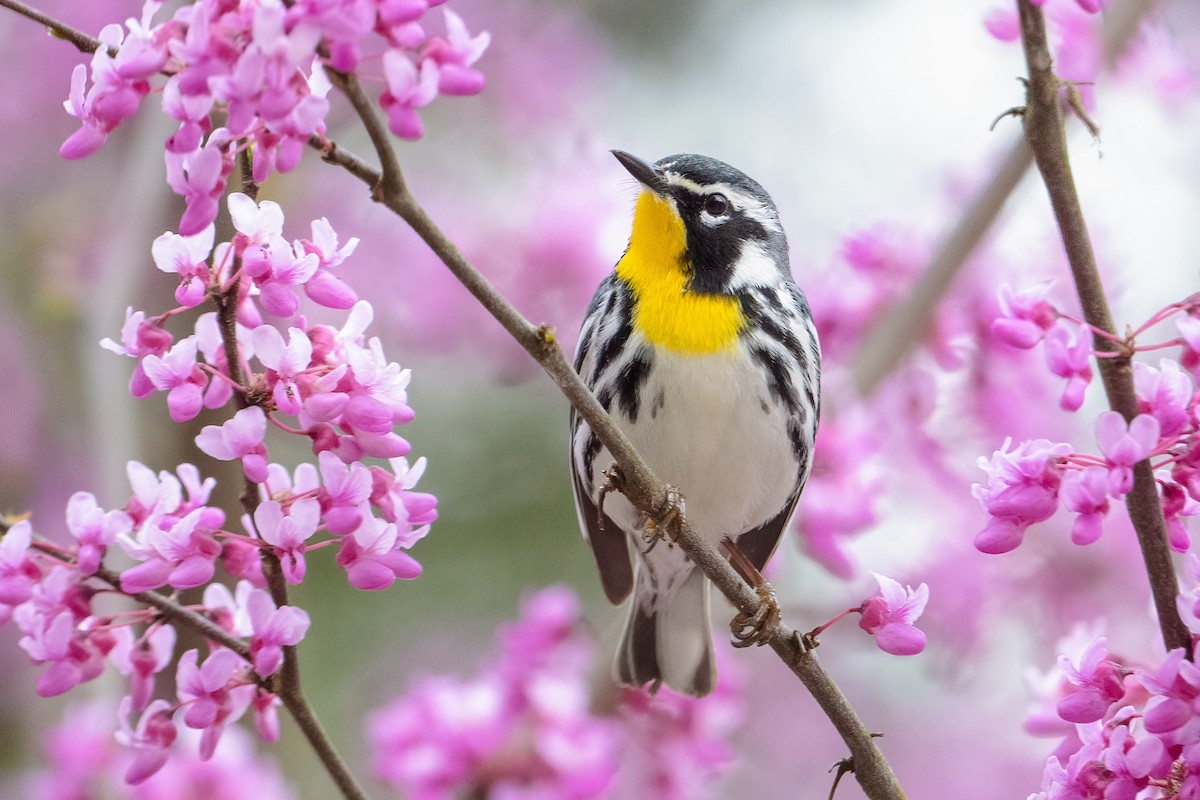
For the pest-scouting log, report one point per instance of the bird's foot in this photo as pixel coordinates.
(614, 481)
(666, 526)
(757, 628)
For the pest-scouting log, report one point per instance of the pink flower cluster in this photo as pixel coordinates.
(1126, 732)
(84, 760)
(523, 727)
(1028, 483)
(262, 64)
(333, 386)
(48, 592)
(1027, 318)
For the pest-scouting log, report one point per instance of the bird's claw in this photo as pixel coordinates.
(666, 526)
(614, 481)
(756, 628)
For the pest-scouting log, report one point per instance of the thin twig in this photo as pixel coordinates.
(1047, 139)
(643, 489)
(83, 42)
(887, 344)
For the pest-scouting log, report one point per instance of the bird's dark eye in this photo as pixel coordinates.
(716, 205)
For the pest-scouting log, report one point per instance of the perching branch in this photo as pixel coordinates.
(82, 42)
(887, 344)
(1047, 139)
(640, 485)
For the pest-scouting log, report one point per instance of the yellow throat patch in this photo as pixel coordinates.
(664, 311)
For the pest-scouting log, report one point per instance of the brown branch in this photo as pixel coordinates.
(888, 343)
(1044, 130)
(82, 42)
(642, 487)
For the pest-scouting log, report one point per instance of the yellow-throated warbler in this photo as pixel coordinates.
(703, 349)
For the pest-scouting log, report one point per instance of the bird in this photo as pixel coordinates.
(703, 350)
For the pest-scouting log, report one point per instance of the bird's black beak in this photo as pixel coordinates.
(647, 174)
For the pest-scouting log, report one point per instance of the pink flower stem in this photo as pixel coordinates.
(285, 428)
(1097, 331)
(1159, 346)
(216, 373)
(1158, 317)
(1043, 121)
(817, 631)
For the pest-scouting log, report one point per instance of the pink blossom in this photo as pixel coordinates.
(1189, 331)
(286, 363)
(151, 740)
(211, 694)
(266, 714)
(288, 532)
(1022, 489)
(454, 56)
(18, 573)
(177, 373)
(199, 177)
(240, 437)
(1124, 445)
(889, 616)
(256, 223)
(1175, 686)
(140, 338)
(1165, 394)
(407, 90)
(1069, 356)
(1176, 504)
(94, 528)
(1005, 25)
(228, 610)
(140, 658)
(181, 554)
(74, 656)
(1086, 493)
(413, 512)
(186, 256)
(1097, 682)
(273, 629)
(324, 287)
(371, 558)
(1027, 315)
(347, 487)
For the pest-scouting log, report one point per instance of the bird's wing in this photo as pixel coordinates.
(609, 543)
(759, 543)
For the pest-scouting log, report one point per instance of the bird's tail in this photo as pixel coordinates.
(668, 639)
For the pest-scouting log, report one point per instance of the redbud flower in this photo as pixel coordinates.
(151, 740)
(1165, 394)
(140, 658)
(177, 373)
(273, 628)
(209, 701)
(1176, 504)
(1070, 357)
(287, 363)
(1175, 686)
(139, 338)
(240, 437)
(52, 638)
(889, 616)
(1189, 331)
(1097, 682)
(181, 554)
(17, 572)
(1022, 489)
(94, 529)
(407, 90)
(1086, 493)
(347, 487)
(186, 257)
(288, 532)
(1027, 315)
(199, 177)
(454, 56)
(371, 558)
(1124, 445)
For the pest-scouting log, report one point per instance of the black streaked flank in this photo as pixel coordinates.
(630, 381)
(779, 377)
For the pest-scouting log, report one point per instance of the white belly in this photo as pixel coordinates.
(708, 426)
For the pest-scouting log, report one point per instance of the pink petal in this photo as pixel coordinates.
(900, 639)
(1000, 536)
